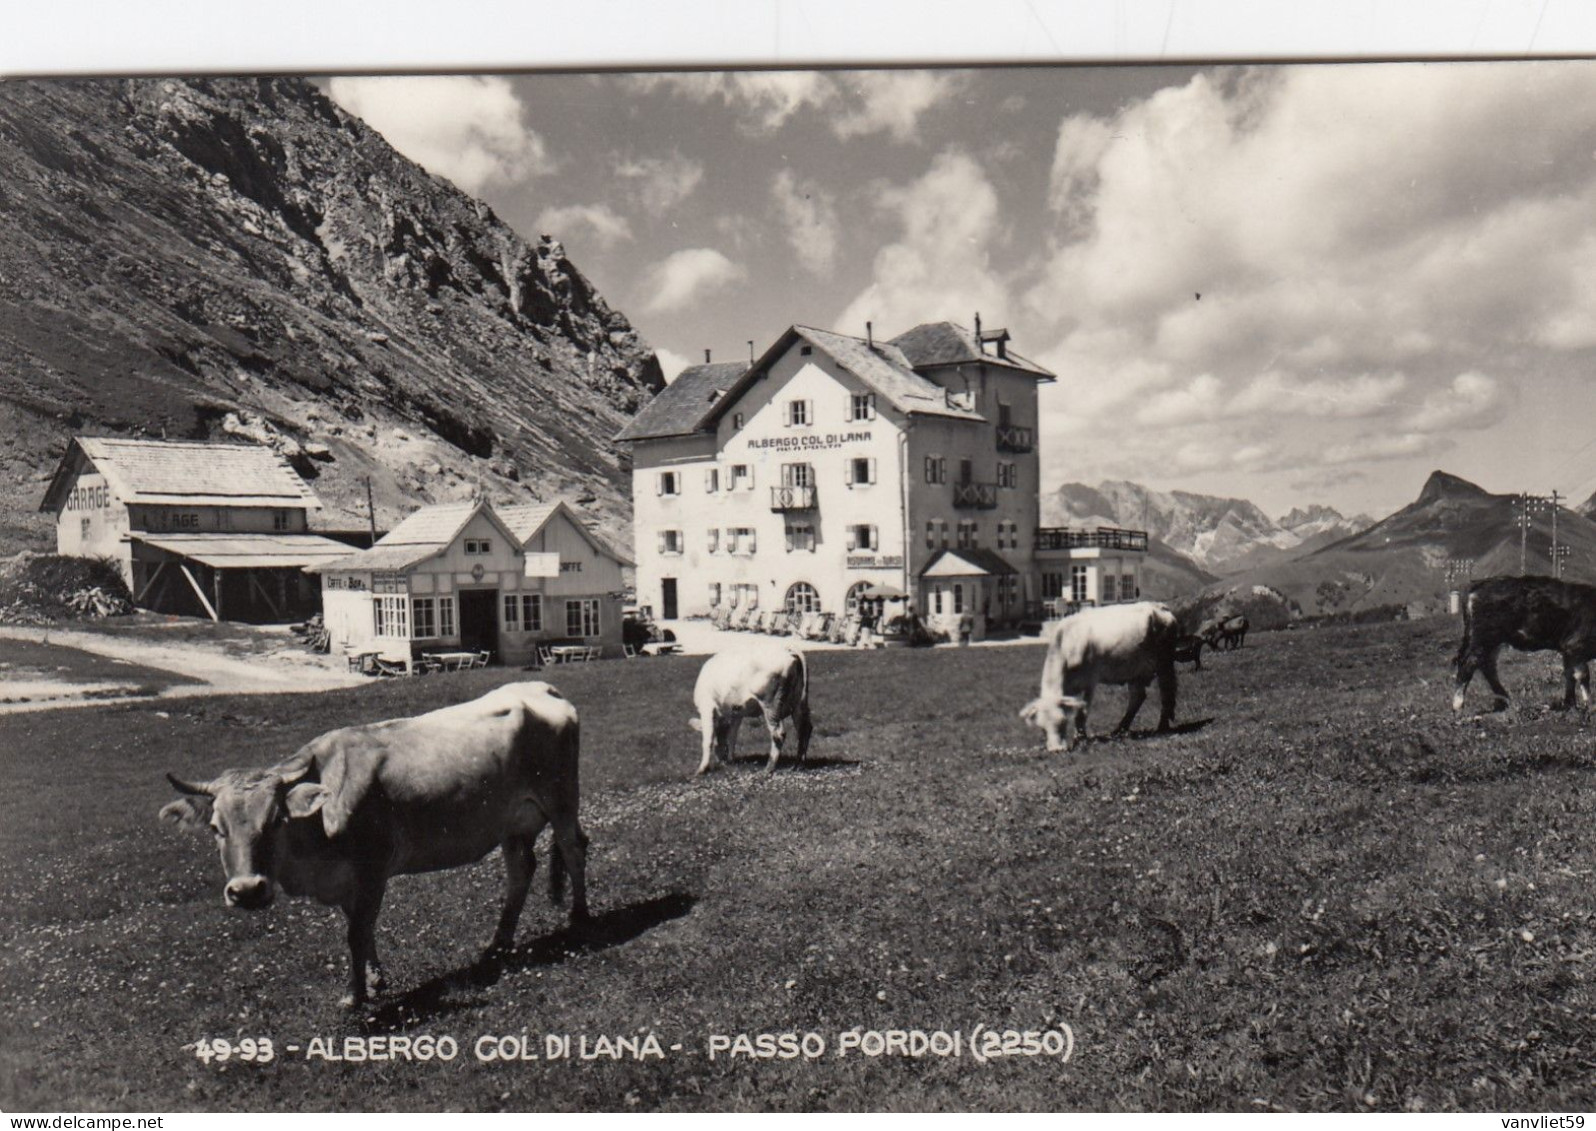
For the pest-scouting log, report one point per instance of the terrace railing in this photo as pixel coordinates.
(975, 496)
(1015, 438)
(792, 498)
(1103, 538)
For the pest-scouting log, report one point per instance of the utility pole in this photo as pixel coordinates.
(371, 512)
(1556, 498)
(1559, 558)
(1525, 505)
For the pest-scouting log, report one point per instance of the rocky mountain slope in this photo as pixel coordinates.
(1402, 559)
(194, 258)
(1220, 535)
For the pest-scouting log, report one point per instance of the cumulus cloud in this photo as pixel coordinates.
(660, 183)
(809, 216)
(939, 266)
(684, 276)
(1337, 250)
(1471, 401)
(892, 102)
(861, 103)
(467, 128)
(764, 99)
(671, 363)
(606, 226)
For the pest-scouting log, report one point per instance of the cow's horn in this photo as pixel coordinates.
(184, 787)
(293, 777)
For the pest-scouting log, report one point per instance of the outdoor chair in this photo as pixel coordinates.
(546, 658)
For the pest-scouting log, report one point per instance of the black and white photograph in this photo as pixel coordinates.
(980, 588)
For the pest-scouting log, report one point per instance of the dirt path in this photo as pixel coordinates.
(205, 670)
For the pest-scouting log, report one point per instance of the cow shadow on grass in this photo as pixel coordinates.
(441, 996)
(808, 765)
(1190, 726)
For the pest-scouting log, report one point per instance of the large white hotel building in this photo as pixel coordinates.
(835, 463)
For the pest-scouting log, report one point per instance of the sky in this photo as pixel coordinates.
(1293, 284)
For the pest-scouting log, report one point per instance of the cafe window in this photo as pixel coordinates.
(391, 616)
(1078, 583)
(532, 612)
(423, 617)
(477, 546)
(512, 612)
(582, 617)
(445, 616)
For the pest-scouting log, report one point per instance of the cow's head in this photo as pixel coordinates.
(1061, 719)
(246, 810)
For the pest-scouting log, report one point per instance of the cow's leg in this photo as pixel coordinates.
(1582, 685)
(362, 911)
(778, 733)
(1168, 682)
(520, 862)
(1138, 695)
(806, 727)
(709, 724)
(1488, 670)
(571, 843)
(734, 723)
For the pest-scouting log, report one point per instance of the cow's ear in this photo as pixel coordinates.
(347, 775)
(1028, 712)
(305, 799)
(192, 812)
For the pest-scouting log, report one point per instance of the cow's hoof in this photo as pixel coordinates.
(351, 1001)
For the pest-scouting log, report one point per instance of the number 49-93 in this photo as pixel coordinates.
(250, 1050)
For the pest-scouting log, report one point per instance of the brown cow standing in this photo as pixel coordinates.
(360, 805)
(1533, 614)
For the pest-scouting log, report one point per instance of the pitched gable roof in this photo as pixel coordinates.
(965, 562)
(881, 368)
(947, 343)
(527, 519)
(184, 473)
(423, 534)
(681, 407)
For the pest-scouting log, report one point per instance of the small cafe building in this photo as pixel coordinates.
(471, 578)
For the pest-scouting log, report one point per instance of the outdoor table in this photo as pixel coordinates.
(364, 662)
(661, 648)
(568, 653)
(454, 661)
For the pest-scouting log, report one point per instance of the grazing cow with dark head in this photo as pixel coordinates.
(765, 680)
(360, 805)
(1533, 614)
(1130, 644)
(1228, 634)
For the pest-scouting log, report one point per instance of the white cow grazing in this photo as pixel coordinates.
(1131, 644)
(768, 680)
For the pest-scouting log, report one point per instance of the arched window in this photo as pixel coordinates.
(802, 598)
(855, 592)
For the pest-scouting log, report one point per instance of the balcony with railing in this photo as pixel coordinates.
(1103, 538)
(792, 498)
(975, 496)
(1015, 438)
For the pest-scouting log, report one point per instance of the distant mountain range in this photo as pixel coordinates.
(1219, 536)
(1402, 560)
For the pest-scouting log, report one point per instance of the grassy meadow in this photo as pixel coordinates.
(1322, 892)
